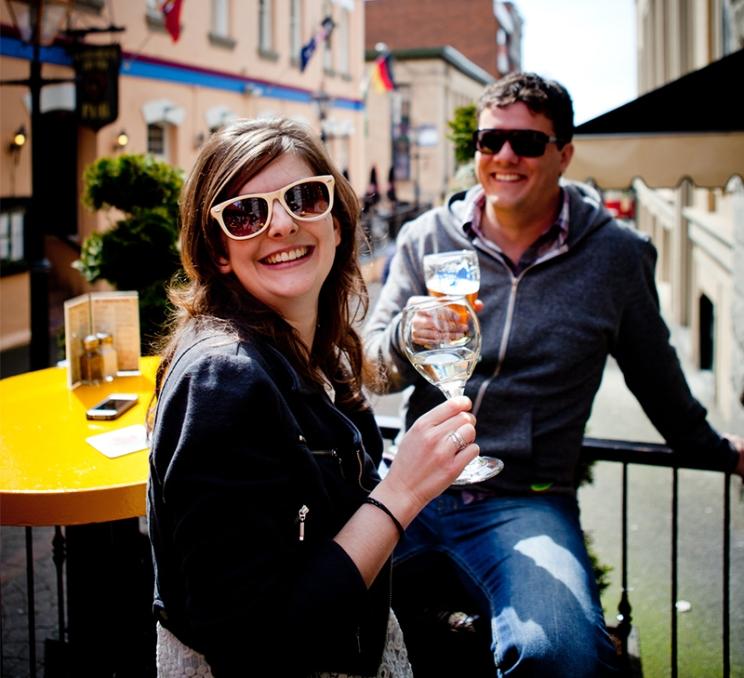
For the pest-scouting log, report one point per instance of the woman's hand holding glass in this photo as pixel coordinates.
(428, 458)
(441, 337)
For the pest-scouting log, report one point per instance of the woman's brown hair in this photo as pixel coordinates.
(210, 298)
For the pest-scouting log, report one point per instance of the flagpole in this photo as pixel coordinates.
(322, 100)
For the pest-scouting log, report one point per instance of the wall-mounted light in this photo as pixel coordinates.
(122, 139)
(19, 140)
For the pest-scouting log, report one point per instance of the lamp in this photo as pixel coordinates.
(323, 102)
(122, 140)
(18, 140)
(37, 23)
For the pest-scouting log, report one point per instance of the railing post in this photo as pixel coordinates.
(623, 607)
(58, 556)
(726, 572)
(675, 507)
(31, 602)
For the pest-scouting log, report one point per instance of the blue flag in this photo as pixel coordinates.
(308, 49)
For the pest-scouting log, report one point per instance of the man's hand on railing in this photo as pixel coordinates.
(738, 443)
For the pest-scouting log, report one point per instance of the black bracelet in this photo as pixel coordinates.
(385, 509)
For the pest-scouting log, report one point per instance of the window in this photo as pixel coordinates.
(343, 42)
(157, 139)
(295, 28)
(220, 24)
(153, 9)
(154, 15)
(11, 235)
(266, 26)
(90, 4)
(219, 34)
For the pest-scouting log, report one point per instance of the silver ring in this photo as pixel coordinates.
(459, 441)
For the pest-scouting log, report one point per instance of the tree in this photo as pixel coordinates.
(462, 127)
(140, 251)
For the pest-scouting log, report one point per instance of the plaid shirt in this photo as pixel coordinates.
(551, 239)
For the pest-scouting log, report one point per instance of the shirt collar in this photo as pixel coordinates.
(472, 225)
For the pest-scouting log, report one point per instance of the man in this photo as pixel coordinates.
(563, 286)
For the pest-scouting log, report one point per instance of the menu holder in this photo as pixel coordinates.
(115, 312)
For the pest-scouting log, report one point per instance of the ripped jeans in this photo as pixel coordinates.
(527, 557)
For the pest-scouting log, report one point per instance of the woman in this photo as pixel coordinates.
(271, 531)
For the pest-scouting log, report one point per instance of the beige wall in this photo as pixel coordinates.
(695, 230)
(437, 88)
(14, 311)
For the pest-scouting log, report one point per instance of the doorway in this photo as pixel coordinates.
(58, 175)
(706, 329)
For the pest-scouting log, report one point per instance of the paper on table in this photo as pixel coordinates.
(121, 441)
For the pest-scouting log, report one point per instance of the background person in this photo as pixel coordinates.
(563, 286)
(271, 536)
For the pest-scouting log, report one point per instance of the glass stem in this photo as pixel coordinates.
(451, 390)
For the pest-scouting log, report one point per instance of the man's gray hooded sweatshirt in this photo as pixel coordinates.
(547, 333)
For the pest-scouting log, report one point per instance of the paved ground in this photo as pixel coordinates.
(616, 415)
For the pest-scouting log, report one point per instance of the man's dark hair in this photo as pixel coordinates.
(539, 95)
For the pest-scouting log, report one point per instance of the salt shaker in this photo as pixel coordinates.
(108, 353)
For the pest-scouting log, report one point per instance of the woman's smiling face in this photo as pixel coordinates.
(285, 266)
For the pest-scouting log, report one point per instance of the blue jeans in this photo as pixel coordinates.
(527, 557)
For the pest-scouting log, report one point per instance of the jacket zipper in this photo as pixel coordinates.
(358, 453)
(504, 342)
(301, 517)
(333, 453)
(360, 464)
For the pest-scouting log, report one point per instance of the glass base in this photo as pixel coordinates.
(478, 470)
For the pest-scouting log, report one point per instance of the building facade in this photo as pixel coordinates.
(443, 54)
(699, 232)
(231, 59)
(407, 127)
(486, 32)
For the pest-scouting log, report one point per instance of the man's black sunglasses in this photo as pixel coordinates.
(528, 143)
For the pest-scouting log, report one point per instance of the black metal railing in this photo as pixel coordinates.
(630, 453)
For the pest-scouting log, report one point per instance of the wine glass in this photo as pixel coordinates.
(442, 339)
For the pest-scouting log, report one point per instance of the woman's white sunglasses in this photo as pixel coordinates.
(247, 216)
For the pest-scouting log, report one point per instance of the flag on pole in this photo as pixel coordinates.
(382, 73)
(323, 34)
(171, 10)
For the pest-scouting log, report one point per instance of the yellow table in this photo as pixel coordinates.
(49, 474)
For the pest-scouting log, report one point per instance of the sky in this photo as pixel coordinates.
(589, 46)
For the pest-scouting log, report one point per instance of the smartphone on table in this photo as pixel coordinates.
(112, 406)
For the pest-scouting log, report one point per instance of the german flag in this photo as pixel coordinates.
(382, 73)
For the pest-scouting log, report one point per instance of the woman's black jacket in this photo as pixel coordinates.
(252, 474)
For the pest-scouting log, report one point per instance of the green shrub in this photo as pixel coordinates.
(140, 251)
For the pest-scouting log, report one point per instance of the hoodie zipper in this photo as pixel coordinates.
(515, 280)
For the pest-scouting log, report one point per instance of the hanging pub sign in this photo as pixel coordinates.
(97, 84)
